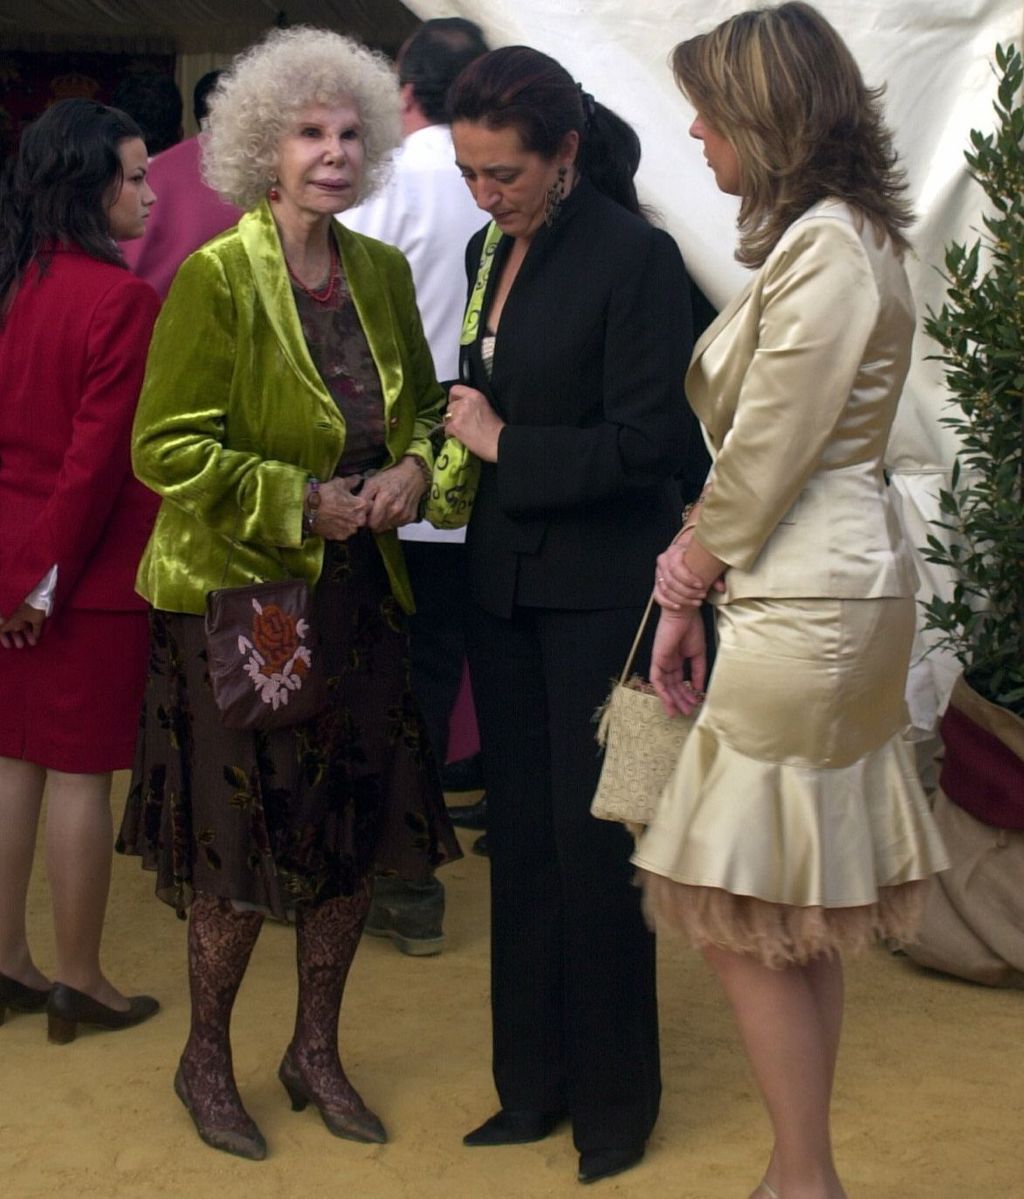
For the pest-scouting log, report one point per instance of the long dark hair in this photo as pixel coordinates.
(57, 187)
(522, 88)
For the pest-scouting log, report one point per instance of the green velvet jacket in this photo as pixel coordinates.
(233, 418)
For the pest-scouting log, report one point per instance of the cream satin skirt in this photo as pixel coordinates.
(794, 823)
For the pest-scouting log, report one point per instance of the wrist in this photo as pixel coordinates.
(421, 467)
(496, 450)
(691, 513)
(311, 506)
(681, 615)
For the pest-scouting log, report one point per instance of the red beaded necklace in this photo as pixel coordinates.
(325, 292)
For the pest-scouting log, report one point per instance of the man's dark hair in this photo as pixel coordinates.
(433, 56)
(201, 94)
(154, 103)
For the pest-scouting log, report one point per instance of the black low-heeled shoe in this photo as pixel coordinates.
(514, 1127)
(67, 1008)
(20, 998)
(603, 1163)
(472, 816)
(481, 847)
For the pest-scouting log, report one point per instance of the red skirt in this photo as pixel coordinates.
(71, 703)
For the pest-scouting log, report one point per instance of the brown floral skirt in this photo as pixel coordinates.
(298, 815)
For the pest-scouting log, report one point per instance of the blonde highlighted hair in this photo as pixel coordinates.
(782, 87)
(267, 87)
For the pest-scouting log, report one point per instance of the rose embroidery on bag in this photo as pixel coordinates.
(278, 659)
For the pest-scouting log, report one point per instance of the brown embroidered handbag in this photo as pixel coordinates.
(263, 657)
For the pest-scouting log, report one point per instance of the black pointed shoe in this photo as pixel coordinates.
(603, 1163)
(472, 815)
(243, 1140)
(481, 846)
(67, 1008)
(357, 1124)
(19, 997)
(466, 774)
(510, 1126)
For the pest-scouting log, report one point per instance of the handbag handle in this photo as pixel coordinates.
(643, 625)
(471, 319)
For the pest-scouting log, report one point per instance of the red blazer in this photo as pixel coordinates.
(72, 354)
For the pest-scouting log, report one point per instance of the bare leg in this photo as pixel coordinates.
(21, 794)
(327, 938)
(791, 1056)
(825, 978)
(79, 851)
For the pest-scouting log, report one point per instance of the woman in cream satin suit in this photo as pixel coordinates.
(794, 826)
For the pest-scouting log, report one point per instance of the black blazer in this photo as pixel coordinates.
(594, 341)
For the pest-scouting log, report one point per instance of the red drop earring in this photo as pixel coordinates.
(274, 194)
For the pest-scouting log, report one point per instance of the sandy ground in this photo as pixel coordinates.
(930, 1098)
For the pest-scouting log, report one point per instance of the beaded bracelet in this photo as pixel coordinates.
(690, 511)
(311, 506)
(424, 470)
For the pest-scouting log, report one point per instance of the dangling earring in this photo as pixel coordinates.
(554, 198)
(273, 194)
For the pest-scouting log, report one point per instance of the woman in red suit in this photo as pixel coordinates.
(74, 329)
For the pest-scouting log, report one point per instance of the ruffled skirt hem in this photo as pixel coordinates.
(779, 934)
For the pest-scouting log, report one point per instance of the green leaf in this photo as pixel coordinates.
(978, 335)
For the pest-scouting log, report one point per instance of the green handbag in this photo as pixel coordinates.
(456, 473)
(453, 485)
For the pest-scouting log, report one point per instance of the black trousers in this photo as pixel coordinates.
(437, 632)
(572, 965)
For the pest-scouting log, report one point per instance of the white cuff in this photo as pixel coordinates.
(42, 595)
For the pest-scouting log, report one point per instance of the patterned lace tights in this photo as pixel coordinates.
(326, 940)
(220, 942)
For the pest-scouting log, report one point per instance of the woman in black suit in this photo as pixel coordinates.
(575, 406)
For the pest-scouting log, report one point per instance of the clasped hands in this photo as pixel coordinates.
(22, 628)
(385, 501)
(679, 654)
(676, 584)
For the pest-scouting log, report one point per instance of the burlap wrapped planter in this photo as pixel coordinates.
(973, 924)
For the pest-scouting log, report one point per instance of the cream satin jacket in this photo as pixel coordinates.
(234, 418)
(796, 384)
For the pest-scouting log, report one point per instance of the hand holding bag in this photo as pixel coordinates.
(641, 746)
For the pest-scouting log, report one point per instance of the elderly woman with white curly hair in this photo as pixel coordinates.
(284, 419)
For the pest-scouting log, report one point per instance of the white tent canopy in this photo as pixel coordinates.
(935, 58)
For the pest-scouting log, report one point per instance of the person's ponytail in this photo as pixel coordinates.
(609, 156)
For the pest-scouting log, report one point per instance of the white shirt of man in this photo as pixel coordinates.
(425, 209)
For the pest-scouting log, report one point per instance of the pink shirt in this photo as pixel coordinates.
(186, 214)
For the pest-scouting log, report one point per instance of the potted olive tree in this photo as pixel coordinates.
(974, 924)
